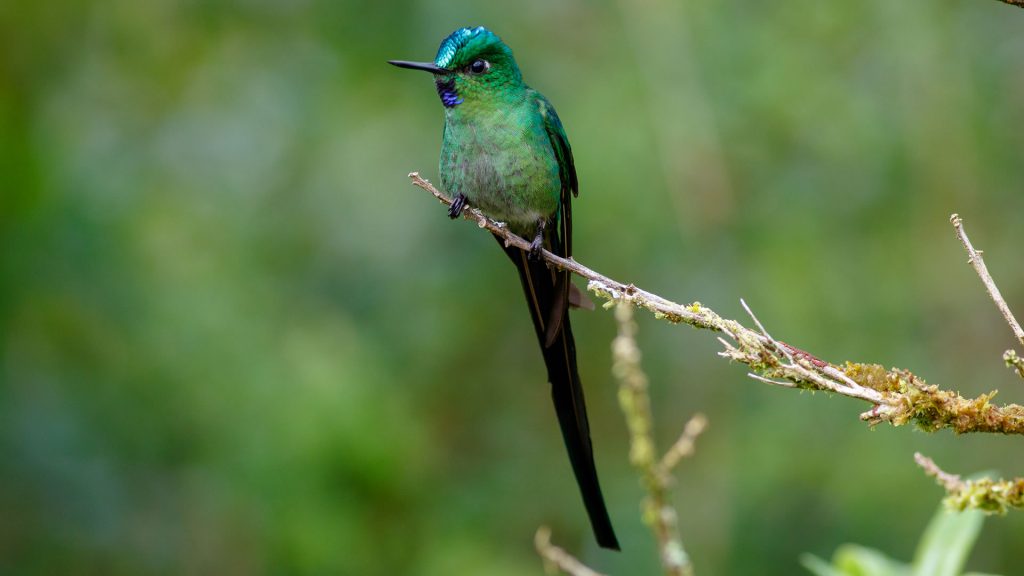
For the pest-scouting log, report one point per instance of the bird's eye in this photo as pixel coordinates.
(479, 66)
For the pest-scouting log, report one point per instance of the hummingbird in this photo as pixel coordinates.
(505, 152)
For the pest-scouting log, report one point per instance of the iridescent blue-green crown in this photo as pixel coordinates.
(461, 38)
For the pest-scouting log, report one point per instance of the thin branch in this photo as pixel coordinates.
(658, 512)
(951, 482)
(897, 396)
(757, 322)
(985, 494)
(685, 445)
(1018, 3)
(978, 263)
(556, 558)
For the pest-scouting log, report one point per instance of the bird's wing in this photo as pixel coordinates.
(566, 172)
(560, 237)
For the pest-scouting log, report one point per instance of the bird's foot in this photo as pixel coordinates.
(458, 204)
(538, 241)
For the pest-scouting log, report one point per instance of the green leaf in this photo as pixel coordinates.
(947, 542)
(860, 561)
(819, 567)
(854, 560)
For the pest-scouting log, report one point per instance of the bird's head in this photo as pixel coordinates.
(472, 65)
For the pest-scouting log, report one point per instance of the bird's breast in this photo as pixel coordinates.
(503, 164)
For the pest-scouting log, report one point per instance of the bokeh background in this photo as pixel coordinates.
(235, 340)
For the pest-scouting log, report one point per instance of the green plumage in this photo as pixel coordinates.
(501, 159)
(504, 151)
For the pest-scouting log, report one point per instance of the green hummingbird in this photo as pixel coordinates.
(505, 152)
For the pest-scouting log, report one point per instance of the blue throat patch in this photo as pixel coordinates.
(446, 90)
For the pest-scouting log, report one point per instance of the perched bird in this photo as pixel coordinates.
(505, 152)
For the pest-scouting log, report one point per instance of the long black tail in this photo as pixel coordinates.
(546, 295)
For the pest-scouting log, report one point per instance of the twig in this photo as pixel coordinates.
(985, 494)
(754, 318)
(974, 258)
(951, 482)
(897, 396)
(685, 445)
(1018, 3)
(556, 558)
(978, 263)
(658, 512)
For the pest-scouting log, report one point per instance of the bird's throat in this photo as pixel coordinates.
(447, 91)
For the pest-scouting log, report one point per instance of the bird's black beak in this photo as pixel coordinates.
(425, 66)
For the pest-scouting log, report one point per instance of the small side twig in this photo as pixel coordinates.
(975, 260)
(556, 558)
(685, 445)
(951, 482)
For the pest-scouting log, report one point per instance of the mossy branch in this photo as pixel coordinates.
(986, 494)
(897, 396)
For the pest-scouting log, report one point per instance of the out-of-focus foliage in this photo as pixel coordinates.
(235, 340)
(943, 551)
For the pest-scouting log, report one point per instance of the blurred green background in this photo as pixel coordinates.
(235, 340)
